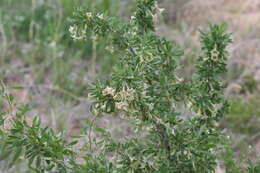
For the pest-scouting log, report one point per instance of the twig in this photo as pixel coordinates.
(63, 91)
(90, 131)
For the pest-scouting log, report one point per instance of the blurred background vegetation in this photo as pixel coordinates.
(37, 52)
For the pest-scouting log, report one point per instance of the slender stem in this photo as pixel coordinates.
(90, 132)
(30, 32)
(4, 41)
(63, 91)
(94, 56)
(164, 139)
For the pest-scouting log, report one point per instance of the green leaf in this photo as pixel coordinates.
(2, 120)
(16, 87)
(72, 143)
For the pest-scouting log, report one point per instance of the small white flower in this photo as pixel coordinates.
(151, 106)
(100, 16)
(108, 91)
(160, 10)
(180, 79)
(122, 106)
(125, 94)
(214, 53)
(77, 35)
(72, 29)
(130, 94)
(173, 132)
(132, 17)
(89, 15)
(110, 49)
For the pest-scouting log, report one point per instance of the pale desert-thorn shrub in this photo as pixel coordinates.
(143, 89)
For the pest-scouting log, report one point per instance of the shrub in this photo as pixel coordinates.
(143, 89)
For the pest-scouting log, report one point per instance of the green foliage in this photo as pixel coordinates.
(254, 168)
(143, 89)
(40, 146)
